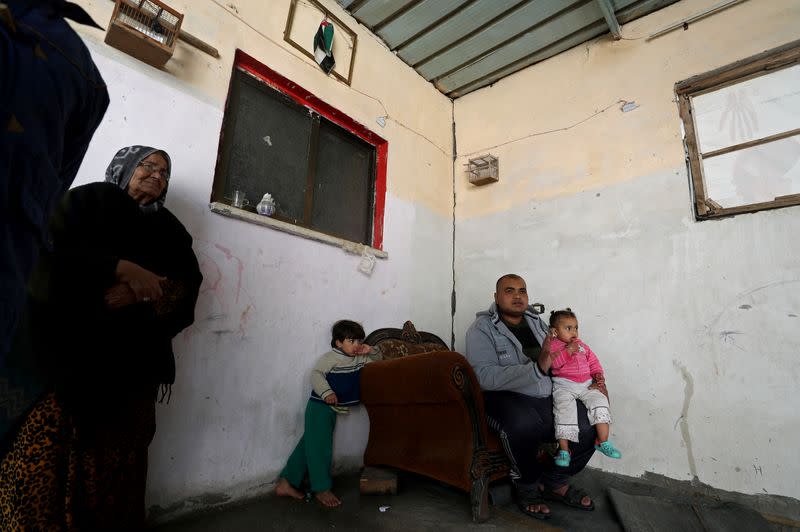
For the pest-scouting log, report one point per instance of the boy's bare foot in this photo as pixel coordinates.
(327, 498)
(284, 489)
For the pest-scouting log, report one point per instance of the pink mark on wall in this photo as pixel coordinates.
(239, 267)
(211, 287)
(243, 319)
(212, 275)
(217, 305)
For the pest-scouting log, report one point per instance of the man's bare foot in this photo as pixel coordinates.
(284, 489)
(327, 498)
(533, 509)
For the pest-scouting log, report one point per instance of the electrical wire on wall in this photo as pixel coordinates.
(620, 103)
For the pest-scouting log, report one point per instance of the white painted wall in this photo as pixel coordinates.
(268, 299)
(696, 323)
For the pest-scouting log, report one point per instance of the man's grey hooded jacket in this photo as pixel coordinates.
(497, 358)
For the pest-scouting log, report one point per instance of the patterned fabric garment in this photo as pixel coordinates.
(336, 372)
(64, 475)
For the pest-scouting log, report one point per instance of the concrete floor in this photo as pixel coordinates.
(425, 505)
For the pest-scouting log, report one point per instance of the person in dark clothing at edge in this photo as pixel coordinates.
(52, 99)
(508, 346)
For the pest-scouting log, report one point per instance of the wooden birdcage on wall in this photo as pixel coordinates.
(483, 170)
(145, 29)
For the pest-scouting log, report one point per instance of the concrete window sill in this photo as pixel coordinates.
(247, 216)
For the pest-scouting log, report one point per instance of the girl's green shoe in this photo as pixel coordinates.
(562, 458)
(608, 449)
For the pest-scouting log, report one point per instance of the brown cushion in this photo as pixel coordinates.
(391, 349)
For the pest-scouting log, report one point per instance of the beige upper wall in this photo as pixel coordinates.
(570, 87)
(420, 117)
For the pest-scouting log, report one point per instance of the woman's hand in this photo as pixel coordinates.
(145, 284)
(332, 399)
(120, 295)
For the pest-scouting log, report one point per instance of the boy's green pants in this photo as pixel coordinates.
(314, 451)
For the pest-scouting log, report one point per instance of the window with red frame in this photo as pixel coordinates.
(325, 171)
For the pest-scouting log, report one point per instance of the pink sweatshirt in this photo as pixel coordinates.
(578, 367)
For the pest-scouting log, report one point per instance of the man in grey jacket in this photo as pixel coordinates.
(508, 347)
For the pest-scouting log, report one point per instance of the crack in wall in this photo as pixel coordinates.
(683, 420)
(453, 292)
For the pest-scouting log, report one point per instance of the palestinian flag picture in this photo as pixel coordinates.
(323, 47)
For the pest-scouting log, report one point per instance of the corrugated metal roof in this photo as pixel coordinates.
(463, 45)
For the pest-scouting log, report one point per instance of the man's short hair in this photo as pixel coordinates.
(506, 276)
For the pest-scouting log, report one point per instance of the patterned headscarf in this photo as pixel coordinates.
(124, 163)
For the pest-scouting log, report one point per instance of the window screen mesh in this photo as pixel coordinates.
(269, 147)
(343, 184)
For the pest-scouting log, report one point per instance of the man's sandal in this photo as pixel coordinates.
(572, 498)
(531, 498)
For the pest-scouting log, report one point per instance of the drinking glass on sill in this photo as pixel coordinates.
(239, 199)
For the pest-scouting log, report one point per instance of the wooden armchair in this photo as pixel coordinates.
(426, 415)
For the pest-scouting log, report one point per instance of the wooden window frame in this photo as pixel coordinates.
(338, 24)
(302, 97)
(751, 67)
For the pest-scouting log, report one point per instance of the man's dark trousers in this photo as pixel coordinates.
(523, 422)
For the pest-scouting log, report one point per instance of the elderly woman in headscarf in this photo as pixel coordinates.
(94, 352)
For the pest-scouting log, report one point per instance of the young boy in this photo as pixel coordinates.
(335, 383)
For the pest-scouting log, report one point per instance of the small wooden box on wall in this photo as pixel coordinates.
(145, 29)
(483, 170)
